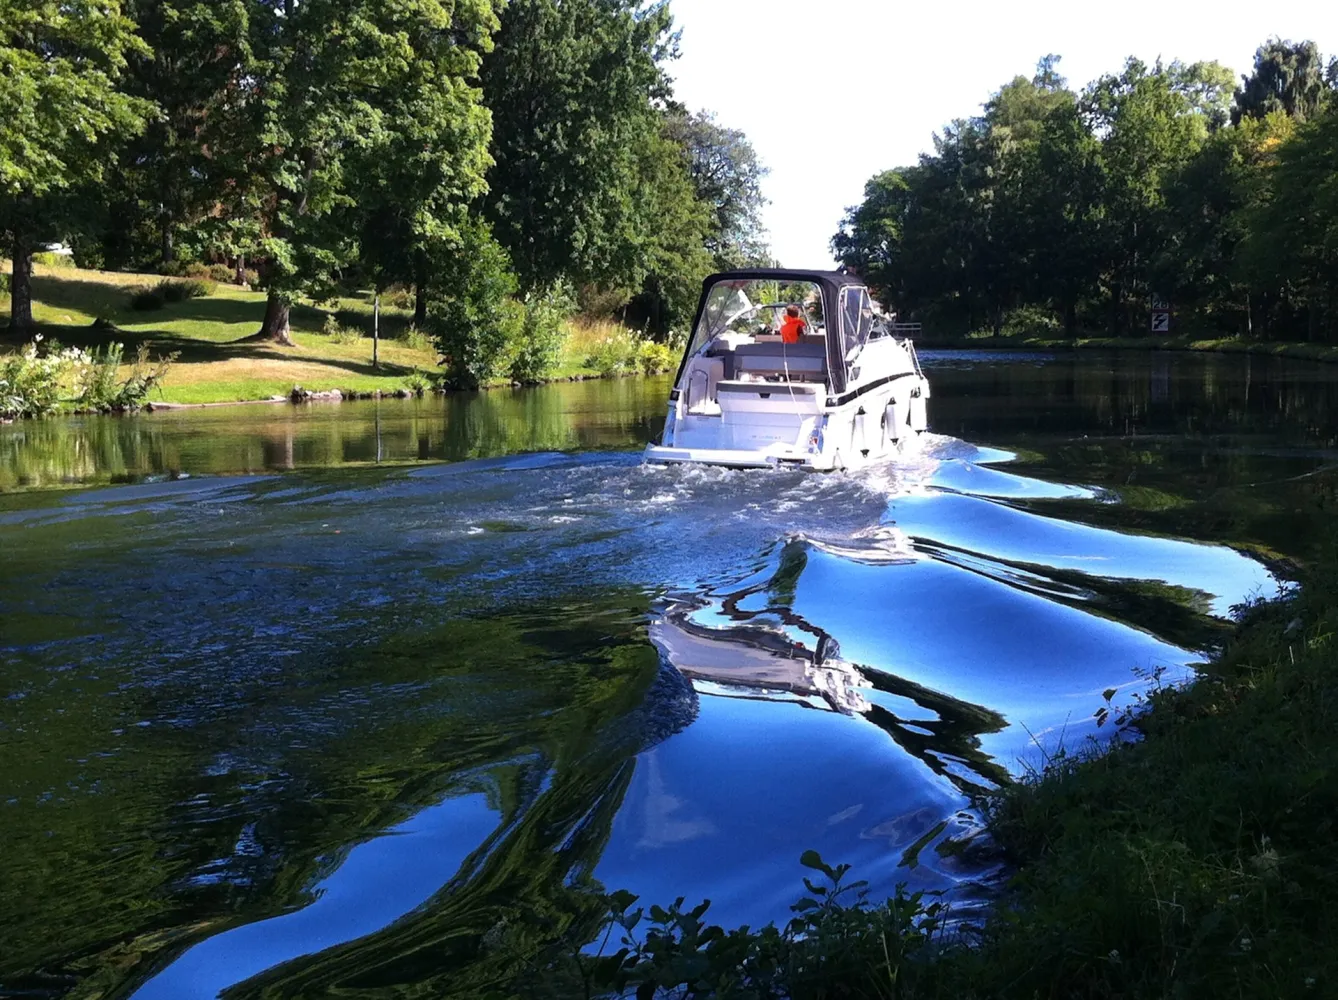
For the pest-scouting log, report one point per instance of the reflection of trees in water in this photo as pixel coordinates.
(596, 414)
(531, 882)
(57, 451)
(1176, 614)
(1147, 393)
(542, 712)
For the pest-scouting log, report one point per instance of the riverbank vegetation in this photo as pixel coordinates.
(1059, 214)
(84, 313)
(1193, 861)
(485, 171)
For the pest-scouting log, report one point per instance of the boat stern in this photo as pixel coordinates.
(738, 458)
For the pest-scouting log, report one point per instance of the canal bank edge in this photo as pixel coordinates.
(1193, 859)
(1225, 345)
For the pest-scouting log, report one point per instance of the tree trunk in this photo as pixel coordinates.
(21, 288)
(169, 248)
(276, 327)
(1070, 318)
(241, 269)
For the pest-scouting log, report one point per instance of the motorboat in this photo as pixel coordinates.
(793, 368)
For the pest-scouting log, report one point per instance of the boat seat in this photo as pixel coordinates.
(775, 358)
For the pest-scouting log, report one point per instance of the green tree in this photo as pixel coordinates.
(328, 88)
(1293, 229)
(680, 229)
(165, 186)
(1287, 77)
(1150, 126)
(1066, 185)
(571, 87)
(63, 115)
(474, 318)
(727, 176)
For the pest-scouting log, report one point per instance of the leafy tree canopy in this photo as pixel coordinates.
(727, 176)
(572, 87)
(1288, 77)
(61, 112)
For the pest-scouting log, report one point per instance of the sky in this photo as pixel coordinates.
(833, 91)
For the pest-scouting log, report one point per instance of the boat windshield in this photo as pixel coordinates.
(745, 309)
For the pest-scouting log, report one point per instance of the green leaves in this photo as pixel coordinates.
(1083, 208)
(570, 87)
(59, 102)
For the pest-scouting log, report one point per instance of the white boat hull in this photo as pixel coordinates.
(838, 392)
(881, 425)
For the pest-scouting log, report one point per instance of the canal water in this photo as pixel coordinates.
(368, 699)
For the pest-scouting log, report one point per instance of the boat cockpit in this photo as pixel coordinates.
(769, 331)
(776, 360)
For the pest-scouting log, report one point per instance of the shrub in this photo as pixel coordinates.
(5, 279)
(145, 375)
(655, 358)
(338, 333)
(474, 320)
(47, 259)
(220, 274)
(147, 299)
(837, 944)
(615, 352)
(542, 335)
(180, 291)
(166, 291)
(96, 380)
(31, 380)
(598, 303)
(414, 338)
(417, 382)
(398, 297)
(251, 277)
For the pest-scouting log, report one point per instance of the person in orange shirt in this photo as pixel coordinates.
(793, 326)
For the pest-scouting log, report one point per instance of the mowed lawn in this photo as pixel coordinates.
(213, 367)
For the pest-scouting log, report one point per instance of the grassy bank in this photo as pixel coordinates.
(1195, 862)
(1221, 345)
(215, 365)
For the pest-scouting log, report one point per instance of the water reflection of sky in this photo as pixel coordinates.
(388, 703)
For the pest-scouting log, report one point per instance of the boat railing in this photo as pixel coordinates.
(906, 329)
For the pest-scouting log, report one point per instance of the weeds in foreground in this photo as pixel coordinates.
(1195, 861)
(31, 380)
(835, 938)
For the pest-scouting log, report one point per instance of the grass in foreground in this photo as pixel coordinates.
(1197, 862)
(213, 365)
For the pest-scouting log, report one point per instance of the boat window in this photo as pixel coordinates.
(856, 319)
(752, 308)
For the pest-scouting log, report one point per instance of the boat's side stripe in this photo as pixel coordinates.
(876, 384)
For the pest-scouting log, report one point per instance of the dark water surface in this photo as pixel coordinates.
(361, 700)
